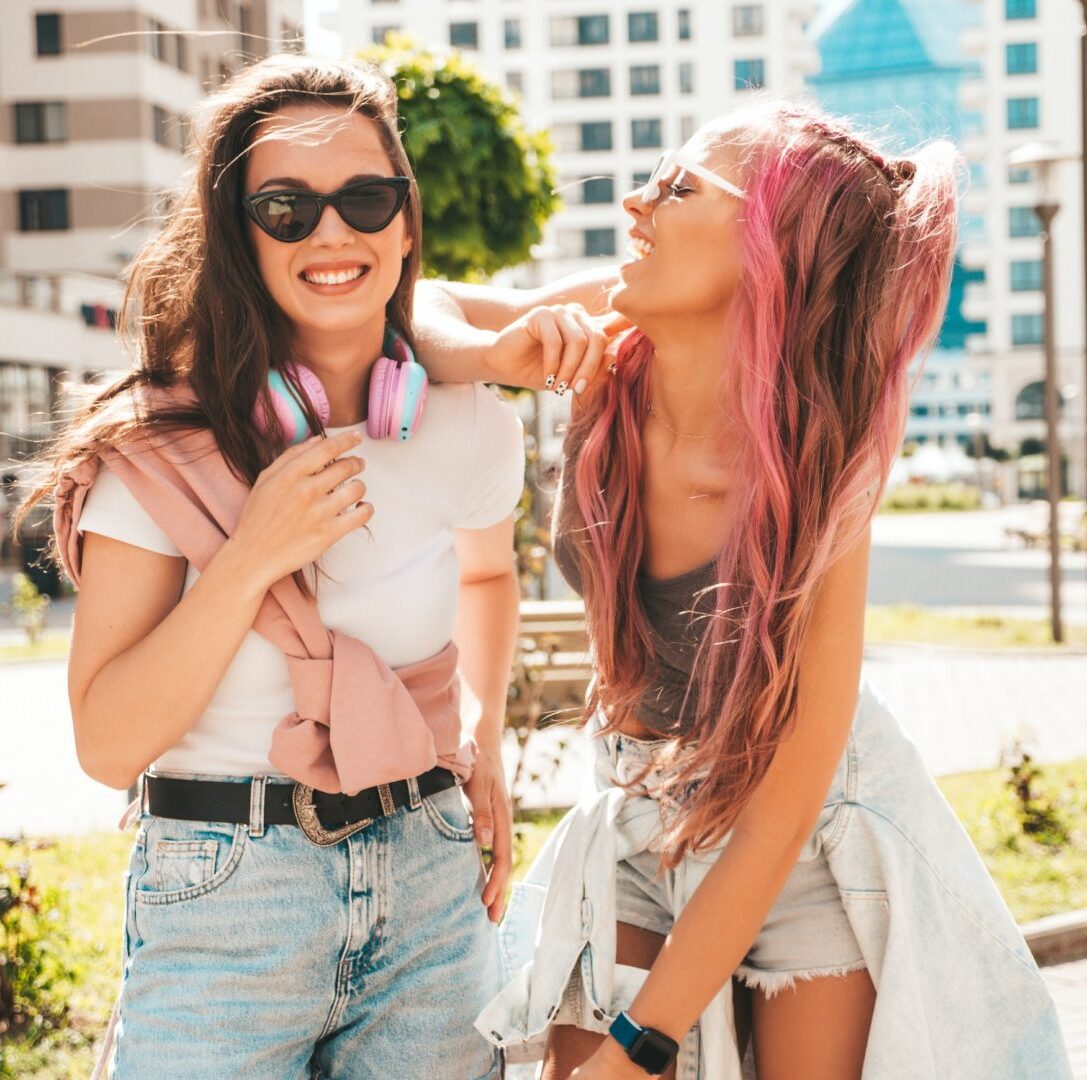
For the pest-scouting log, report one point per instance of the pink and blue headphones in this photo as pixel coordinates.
(398, 393)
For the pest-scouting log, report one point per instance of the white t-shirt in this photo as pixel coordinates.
(394, 588)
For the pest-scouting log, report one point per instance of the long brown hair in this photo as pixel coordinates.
(847, 258)
(196, 310)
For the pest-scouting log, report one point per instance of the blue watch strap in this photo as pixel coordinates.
(624, 1031)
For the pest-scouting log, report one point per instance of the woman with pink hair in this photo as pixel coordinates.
(760, 820)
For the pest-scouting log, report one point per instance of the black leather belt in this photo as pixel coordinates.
(325, 818)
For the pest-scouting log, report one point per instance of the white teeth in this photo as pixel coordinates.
(640, 248)
(336, 277)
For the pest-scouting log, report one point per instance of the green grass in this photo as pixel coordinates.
(89, 869)
(1034, 880)
(906, 623)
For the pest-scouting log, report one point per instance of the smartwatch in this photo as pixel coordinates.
(648, 1048)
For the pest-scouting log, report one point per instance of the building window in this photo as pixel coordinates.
(515, 81)
(686, 77)
(643, 26)
(28, 396)
(160, 125)
(1028, 329)
(641, 179)
(1026, 275)
(646, 134)
(511, 30)
(596, 135)
(594, 82)
(156, 39)
(1023, 221)
(749, 74)
(683, 24)
(41, 121)
(1021, 58)
(464, 35)
(1020, 9)
(1030, 402)
(47, 32)
(587, 83)
(747, 20)
(1022, 112)
(593, 30)
(688, 125)
(580, 30)
(599, 242)
(1020, 174)
(645, 79)
(378, 34)
(181, 52)
(42, 210)
(598, 189)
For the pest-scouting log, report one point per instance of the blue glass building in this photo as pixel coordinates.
(895, 68)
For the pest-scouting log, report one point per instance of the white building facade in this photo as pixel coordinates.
(1028, 90)
(95, 98)
(616, 84)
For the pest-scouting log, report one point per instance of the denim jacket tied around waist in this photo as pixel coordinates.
(958, 994)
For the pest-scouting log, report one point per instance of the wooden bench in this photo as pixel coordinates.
(552, 667)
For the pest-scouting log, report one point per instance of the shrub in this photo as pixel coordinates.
(35, 979)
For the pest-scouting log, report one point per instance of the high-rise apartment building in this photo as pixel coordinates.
(897, 68)
(616, 84)
(94, 115)
(1027, 89)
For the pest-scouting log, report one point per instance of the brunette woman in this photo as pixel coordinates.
(760, 819)
(270, 638)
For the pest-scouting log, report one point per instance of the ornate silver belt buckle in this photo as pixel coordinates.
(305, 813)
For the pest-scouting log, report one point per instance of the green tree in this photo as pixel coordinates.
(487, 184)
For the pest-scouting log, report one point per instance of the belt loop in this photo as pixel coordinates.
(256, 805)
(415, 800)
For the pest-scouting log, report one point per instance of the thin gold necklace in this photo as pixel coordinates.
(682, 434)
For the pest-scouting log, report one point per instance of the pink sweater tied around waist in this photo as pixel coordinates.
(357, 722)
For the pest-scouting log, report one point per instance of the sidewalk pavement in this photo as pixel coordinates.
(1068, 985)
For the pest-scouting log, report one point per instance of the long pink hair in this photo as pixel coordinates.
(846, 259)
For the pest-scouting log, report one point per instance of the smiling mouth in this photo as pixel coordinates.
(333, 277)
(639, 248)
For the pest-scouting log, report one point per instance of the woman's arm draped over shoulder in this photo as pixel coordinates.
(479, 333)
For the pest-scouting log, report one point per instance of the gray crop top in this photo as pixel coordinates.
(674, 610)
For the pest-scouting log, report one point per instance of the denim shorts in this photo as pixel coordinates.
(806, 934)
(253, 954)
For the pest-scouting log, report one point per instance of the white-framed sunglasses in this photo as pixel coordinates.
(677, 159)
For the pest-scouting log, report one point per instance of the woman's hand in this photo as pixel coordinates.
(301, 505)
(493, 823)
(556, 348)
(609, 1062)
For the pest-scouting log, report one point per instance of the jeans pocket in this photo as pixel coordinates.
(450, 814)
(188, 859)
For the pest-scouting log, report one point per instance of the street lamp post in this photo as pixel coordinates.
(1042, 158)
(1047, 211)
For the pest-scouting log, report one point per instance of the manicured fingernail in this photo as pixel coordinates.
(560, 389)
(579, 386)
(550, 381)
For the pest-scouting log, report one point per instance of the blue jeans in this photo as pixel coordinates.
(251, 953)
